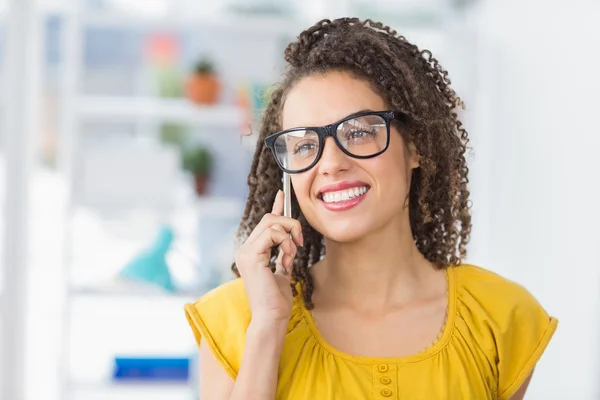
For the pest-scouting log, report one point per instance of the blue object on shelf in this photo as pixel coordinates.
(150, 266)
(151, 369)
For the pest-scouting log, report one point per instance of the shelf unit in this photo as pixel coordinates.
(124, 292)
(78, 108)
(164, 110)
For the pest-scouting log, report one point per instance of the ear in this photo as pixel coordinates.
(413, 158)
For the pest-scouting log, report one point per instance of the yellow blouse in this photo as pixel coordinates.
(494, 334)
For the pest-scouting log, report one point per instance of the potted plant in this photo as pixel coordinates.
(199, 161)
(203, 85)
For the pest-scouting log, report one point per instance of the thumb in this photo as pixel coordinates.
(278, 204)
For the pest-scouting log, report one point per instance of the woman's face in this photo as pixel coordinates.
(321, 100)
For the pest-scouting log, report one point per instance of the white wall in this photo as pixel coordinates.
(539, 143)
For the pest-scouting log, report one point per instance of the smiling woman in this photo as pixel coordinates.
(363, 293)
(382, 163)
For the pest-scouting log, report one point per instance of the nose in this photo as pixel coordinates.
(333, 160)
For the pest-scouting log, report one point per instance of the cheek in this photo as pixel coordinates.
(302, 186)
(389, 171)
(396, 160)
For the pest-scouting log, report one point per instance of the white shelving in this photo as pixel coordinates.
(141, 293)
(164, 110)
(131, 319)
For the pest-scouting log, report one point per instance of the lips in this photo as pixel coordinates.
(343, 196)
(340, 187)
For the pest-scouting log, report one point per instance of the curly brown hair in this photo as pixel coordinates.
(412, 83)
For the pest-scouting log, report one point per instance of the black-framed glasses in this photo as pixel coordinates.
(364, 134)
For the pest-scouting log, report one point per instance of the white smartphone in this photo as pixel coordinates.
(287, 192)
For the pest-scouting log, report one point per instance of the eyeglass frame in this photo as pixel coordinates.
(331, 130)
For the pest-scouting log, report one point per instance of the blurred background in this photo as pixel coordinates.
(125, 144)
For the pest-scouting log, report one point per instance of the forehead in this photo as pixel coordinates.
(321, 99)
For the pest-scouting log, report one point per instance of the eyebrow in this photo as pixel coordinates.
(354, 114)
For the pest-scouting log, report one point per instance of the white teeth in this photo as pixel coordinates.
(344, 195)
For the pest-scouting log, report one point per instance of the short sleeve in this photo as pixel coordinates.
(506, 322)
(522, 342)
(221, 318)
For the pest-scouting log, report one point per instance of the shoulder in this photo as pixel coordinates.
(497, 293)
(506, 322)
(221, 318)
(231, 295)
(487, 298)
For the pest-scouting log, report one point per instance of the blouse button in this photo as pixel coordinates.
(386, 392)
(382, 368)
(385, 380)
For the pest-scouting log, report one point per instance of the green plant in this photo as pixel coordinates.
(173, 134)
(198, 160)
(204, 66)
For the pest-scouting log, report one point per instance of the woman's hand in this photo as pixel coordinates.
(269, 294)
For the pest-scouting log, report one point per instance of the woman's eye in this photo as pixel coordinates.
(304, 147)
(359, 134)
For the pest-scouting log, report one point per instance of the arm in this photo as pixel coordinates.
(520, 394)
(214, 381)
(270, 298)
(257, 378)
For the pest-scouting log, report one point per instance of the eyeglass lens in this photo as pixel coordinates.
(360, 136)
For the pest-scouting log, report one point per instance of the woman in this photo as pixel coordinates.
(362, 294)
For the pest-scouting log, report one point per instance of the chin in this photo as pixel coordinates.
(343, 230)
(348, 224)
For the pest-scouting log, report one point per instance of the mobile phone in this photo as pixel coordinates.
(287, 202)
(287, 195)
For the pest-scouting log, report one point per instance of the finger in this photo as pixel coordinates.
(290, 225)
(279, 267)
(270, 238)
(278, 227)
(276, 209)
(278, 203)
(284, 264)
(288, 250)
(289, 247)
(287, 262)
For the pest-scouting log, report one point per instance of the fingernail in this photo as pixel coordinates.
(301, 239)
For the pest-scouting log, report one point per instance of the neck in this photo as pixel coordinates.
(382, 269)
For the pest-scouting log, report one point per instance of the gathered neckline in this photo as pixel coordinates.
(437, 345)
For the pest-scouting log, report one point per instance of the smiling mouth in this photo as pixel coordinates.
(340, 196)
